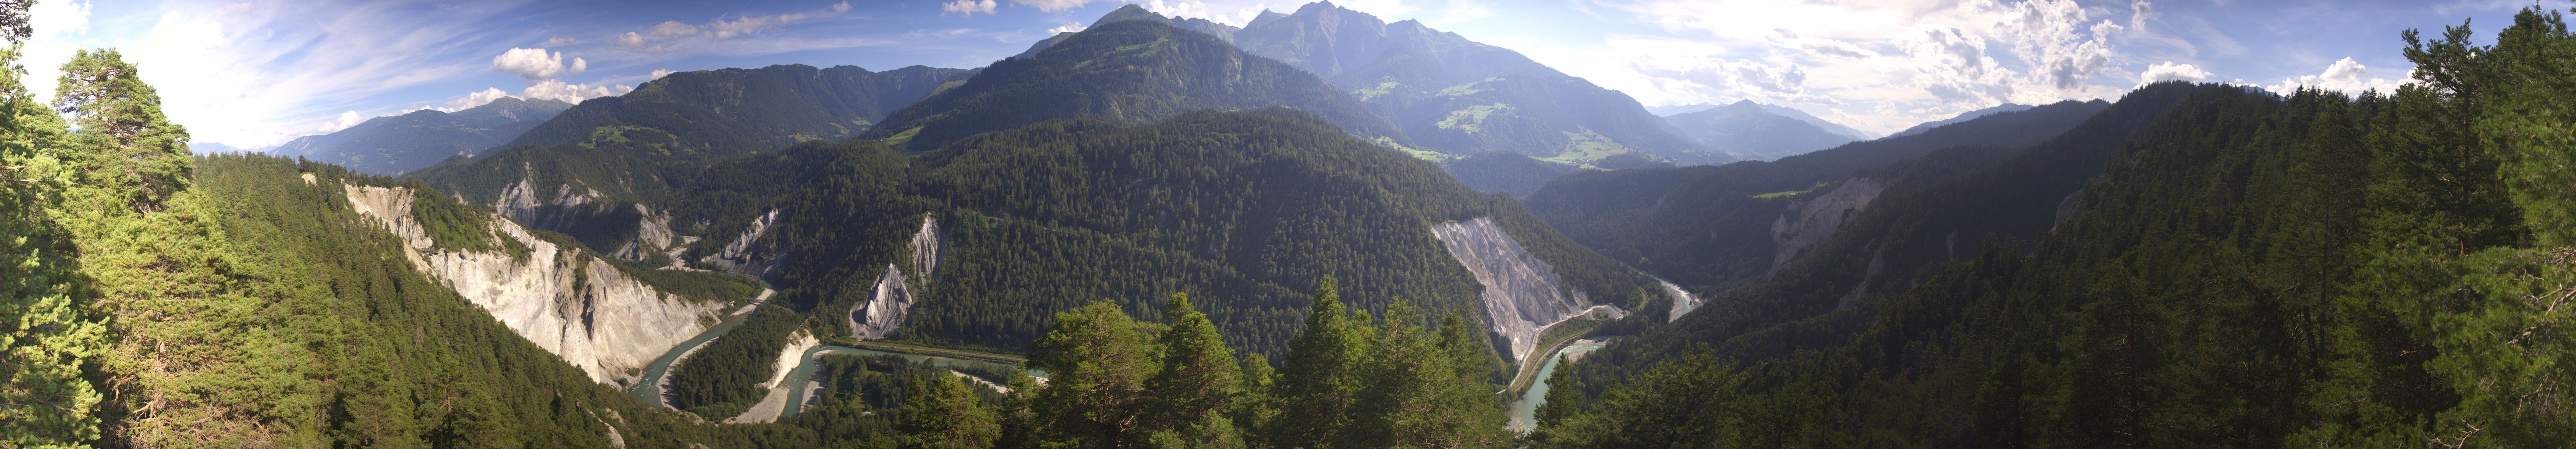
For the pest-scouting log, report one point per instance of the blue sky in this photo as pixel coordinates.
(256, 73)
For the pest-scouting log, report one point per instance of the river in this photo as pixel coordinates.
(1523, 411)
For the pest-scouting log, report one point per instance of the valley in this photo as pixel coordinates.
(1332, 226)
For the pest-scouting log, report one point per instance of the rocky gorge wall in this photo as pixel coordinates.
(1811, 221)
(894, 295)
(566, 300)
(1522, 295)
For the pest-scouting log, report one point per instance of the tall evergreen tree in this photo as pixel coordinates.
(1198, 384)
(1100, 359)
(46, 335)
(119, 118)
(944, 414)
(1320, 385)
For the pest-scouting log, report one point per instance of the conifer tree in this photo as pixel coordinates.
(944, 414)
(45, 334)
(1320, 385)
(132, 145)
(1100, 360)
(1199, 381)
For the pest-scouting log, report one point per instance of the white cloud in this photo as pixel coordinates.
(58, 28)
(572, 93)
(1041, 5)
(674, 36)
(968, 7)
(1877, 65)
(346, 120)
(535, 63)
(471, 100)
(658, 74)
(559, 41)
(2344, 75)
(1069, 27)
(674, 28)
(2170, 71)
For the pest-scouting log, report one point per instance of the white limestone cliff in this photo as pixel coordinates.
(1808, 222)
(573, 304)
(894, 294)
(743, 255)
(1522, 295)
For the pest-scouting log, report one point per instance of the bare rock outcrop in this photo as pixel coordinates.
(571, 303)
(745, 255)
(1522, 295)
(1810, 221)
(894, 293)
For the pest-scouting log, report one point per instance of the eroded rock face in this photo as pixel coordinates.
(569, 302)
(652, 235)
(1812, 220)
(744, 255)
(894, 296)
(1522, 295)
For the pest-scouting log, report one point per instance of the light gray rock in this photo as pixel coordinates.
(1522, 295)
(1808, 222)
(745, 254)
(894, 293)
(571, 303)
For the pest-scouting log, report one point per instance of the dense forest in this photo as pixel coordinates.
(2252, 270)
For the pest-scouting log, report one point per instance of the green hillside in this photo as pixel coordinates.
(733, 111)
(1140, 70)
(1710, 227)
(2252, 270)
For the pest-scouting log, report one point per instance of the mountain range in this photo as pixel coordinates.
(393, 145)
(1754, 131)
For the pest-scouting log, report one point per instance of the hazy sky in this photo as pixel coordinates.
(257, 73)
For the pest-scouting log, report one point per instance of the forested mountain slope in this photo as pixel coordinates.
(2252, 270)
(733, 111)
(392, 145)
(1244, 209)
(1963, 116)
(1714, 226)
(1142, 70)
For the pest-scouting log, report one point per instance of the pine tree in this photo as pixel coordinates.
(45, 334)
(944, 414)
(1198, 384)
(1100, 360)
(1319, 388)
(134, 147)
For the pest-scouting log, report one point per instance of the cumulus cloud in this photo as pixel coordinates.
(471, 100)
(630, 39)
(1069, 27)
(659, 73)
(2345, 75)
(536, 63)
(559, 41)
(572, 93)
(2170, 71)
(346, 120)
(968, 7)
